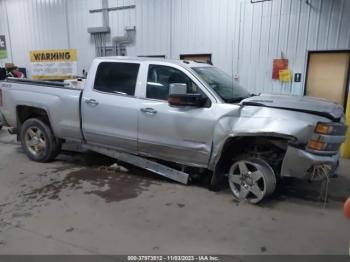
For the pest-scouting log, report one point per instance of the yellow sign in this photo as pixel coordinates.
(285, 75)
(60, 55)
(57, 64)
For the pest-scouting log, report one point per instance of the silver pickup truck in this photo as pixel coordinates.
(179, 118)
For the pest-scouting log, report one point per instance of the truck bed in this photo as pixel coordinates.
(59, 100)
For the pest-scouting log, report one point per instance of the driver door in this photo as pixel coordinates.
(177, 134)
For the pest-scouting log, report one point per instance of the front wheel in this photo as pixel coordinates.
(251, 179)
(38, 141)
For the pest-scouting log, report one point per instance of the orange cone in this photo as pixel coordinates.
(347, 208)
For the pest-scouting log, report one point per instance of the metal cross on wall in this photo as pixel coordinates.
(105, 9)
(99, 33)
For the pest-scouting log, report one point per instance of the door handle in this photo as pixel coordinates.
(148, 110)
(91, 102)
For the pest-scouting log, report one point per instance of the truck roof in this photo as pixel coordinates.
(186, 63)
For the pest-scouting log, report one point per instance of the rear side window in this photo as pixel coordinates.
(117, 78)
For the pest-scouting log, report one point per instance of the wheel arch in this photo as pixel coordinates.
(25, 112)
(234, 145)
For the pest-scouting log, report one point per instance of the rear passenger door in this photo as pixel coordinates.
(110, 109)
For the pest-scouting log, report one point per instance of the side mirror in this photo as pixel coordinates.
(178, 96)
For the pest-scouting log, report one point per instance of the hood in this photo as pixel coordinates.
(305, 104)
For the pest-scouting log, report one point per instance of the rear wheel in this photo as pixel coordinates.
(251, 179)
(38, 141)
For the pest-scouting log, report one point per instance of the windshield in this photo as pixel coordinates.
(228, 89)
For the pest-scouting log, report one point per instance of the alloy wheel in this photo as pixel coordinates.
(251, 180)
(35, 141)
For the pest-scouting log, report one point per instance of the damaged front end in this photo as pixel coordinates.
(319, 157)
(302, 144)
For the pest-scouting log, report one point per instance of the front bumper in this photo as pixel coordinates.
(299, 163)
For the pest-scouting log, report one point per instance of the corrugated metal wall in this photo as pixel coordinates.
(291, 27)
(153, 26)
(243, 38)
(35, 25)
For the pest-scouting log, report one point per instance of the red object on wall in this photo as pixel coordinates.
(278, 64)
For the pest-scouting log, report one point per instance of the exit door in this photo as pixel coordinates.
(328, 76)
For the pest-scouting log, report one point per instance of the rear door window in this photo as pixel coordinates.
(117, 78)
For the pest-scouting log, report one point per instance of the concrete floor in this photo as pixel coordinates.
(76, 205)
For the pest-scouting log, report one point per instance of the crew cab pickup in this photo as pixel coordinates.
(174, 117)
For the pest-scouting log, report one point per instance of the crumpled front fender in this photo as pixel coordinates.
(248, 121)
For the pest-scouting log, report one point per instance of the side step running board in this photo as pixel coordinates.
(141, 162)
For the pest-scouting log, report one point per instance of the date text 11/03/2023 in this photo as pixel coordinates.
(174, 258)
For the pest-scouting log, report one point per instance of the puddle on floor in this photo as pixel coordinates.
(112, 186)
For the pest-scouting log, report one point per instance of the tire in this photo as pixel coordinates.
(38, 141)
(251, 179)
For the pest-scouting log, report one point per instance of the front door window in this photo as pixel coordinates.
(159, 79)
